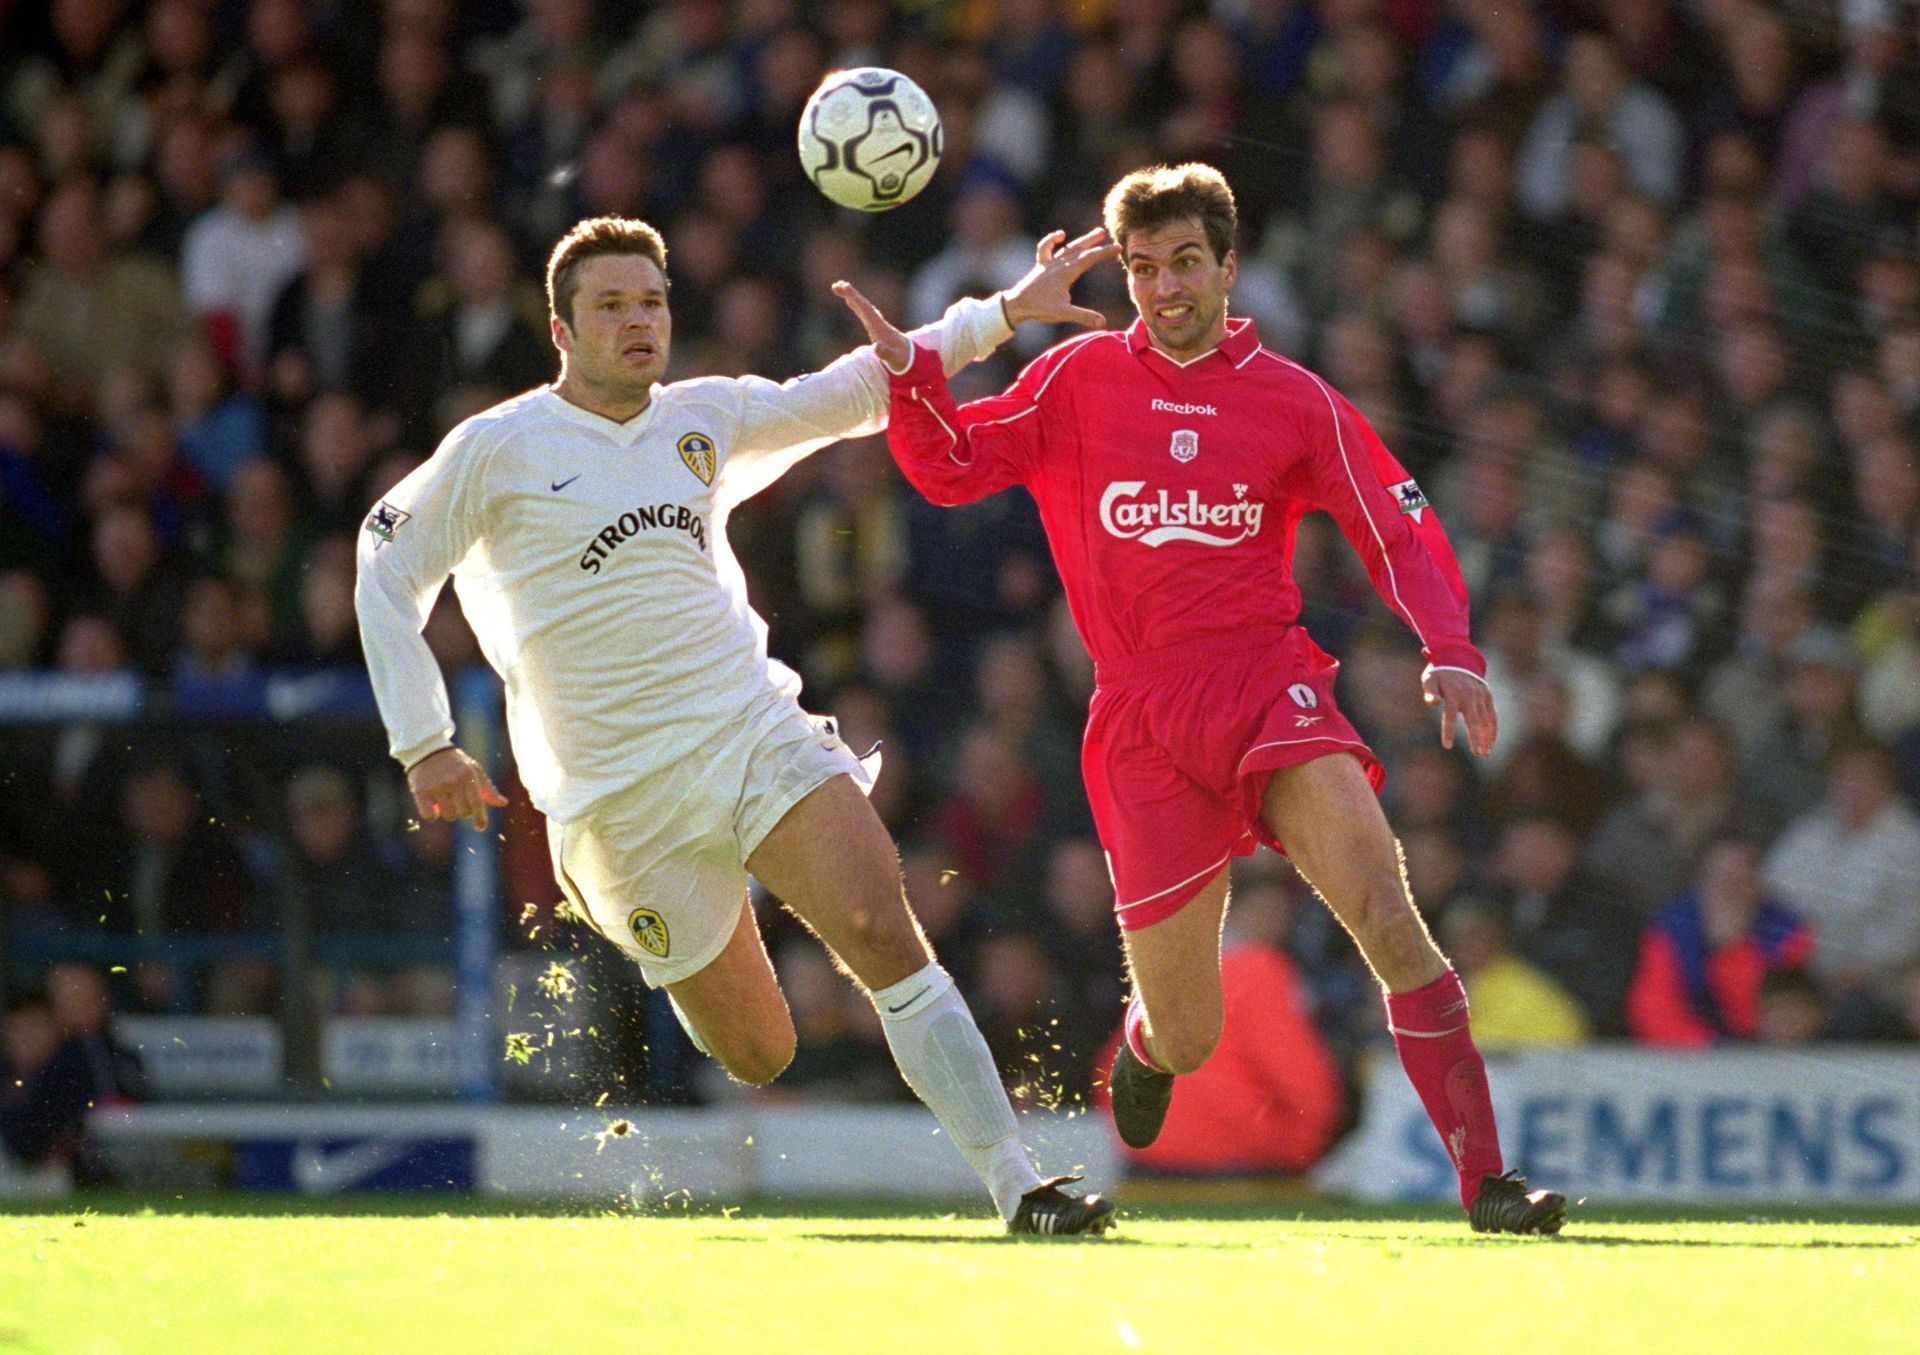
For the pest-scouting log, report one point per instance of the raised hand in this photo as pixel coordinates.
(1046, 292)
(1462, 695)
(895, 349)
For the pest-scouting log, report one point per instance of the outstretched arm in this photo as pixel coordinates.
(955, 455)
(782, 423)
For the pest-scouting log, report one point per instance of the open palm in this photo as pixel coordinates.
(1046, 292)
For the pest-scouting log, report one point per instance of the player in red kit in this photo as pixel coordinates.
(1171, 462)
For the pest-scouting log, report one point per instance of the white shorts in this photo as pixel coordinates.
(660, 868)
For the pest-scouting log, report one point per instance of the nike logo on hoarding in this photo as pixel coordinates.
(559, 485)
(319, 1170)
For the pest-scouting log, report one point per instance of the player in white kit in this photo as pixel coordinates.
(584, 526)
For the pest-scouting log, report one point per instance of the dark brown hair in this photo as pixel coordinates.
(1150, 198)
(589, 239)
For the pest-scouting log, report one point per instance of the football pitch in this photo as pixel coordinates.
(172, 1274)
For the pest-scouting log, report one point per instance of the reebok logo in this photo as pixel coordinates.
(1168, 407)
(1154, 521)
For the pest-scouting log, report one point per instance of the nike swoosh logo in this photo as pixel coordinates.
(895, 1011)
(559, 485)
(318, 1170)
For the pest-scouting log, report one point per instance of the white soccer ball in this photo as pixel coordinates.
(870, 138)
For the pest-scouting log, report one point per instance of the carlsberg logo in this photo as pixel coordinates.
(1158, 519)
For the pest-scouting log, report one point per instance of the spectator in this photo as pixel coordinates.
(88, 1068)
(166, 868)
(991, 818)
(327, 635)
(1515, 1006)
(1545, 773)
(25, 613)
(341, 878)
(264, 544)
(850, 547)
(1670, 616)
(238, 256)
(1600, 93)
(330, 328)
(336, 457)
(1786, 769)
(988, 250)
(1270, 1097)
(1647, 849)
(134, 584)
(219, 428)
(1851, 868)
(87, 311)
(1563, 921)
(1746, 691)
(481, 329)
(1019, 1000)
(1705, 959)
(216, 644)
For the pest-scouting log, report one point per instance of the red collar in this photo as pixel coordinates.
(1236, 348)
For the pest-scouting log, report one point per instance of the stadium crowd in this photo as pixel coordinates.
(1632, 287)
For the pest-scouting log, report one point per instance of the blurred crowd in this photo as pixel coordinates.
(1632, 287)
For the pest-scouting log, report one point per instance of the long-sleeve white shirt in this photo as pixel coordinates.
(591, 560)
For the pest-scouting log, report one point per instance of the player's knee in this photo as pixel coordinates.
(881, 936)
(760, 1060)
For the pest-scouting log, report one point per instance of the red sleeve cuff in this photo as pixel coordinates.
(924, 370)
(1458, 654)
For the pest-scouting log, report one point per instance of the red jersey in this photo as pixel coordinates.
(1170, 491)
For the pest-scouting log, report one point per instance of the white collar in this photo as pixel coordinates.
(626, 434)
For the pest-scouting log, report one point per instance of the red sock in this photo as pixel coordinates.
(1429, 1028)
(1135, 1026)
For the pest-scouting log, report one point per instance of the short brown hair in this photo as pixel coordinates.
(589, 239)
(1150, 198)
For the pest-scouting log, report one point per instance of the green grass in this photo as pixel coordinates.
(217, 1274)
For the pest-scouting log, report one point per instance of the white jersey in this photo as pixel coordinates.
(591, 560)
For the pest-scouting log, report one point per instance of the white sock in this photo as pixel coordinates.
(944, 1058)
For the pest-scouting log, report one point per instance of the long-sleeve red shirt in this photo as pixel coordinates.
(1170, 492)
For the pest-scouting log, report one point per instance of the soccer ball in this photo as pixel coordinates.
(870, 138)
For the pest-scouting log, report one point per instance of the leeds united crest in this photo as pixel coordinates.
(696, 449)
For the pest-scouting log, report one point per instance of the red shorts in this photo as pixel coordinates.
(1180, 746)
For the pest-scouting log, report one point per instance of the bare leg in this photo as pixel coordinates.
(1333, 828)
(1327, 816)
(736, 1007)
(832, 862)
(1176, 978)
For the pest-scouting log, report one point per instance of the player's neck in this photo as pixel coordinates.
(1215, 336)
(617, 406)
